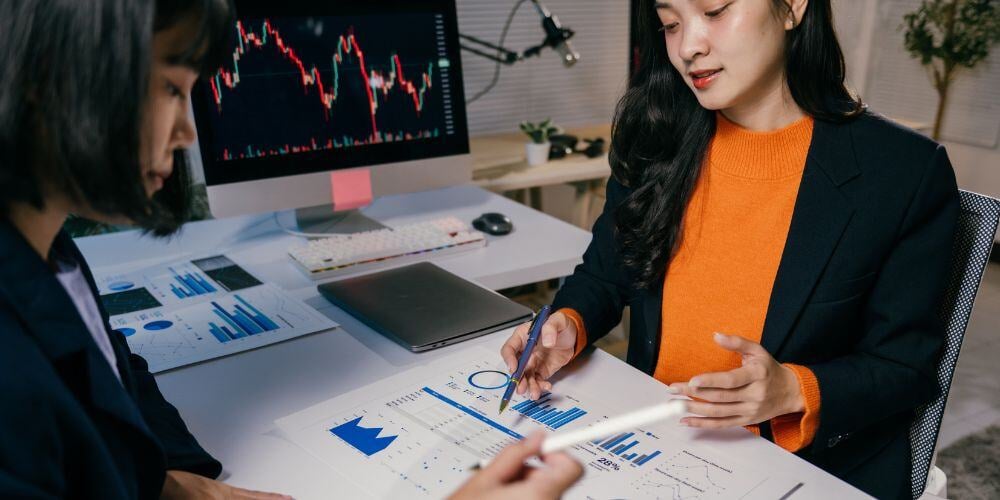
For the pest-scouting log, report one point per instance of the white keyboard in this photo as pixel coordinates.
(351, 253)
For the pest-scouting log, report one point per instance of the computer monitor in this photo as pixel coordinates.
(316, 87)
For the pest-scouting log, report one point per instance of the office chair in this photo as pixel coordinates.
(977, 226)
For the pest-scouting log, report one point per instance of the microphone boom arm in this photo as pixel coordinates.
(556, 37)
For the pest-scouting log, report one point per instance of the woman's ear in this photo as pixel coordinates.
(796, 9)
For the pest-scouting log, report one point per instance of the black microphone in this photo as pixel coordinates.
(556, 36)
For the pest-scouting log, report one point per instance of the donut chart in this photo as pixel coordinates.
(489, 379)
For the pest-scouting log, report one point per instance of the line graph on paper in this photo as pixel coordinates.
(689, 475)
(332, 82)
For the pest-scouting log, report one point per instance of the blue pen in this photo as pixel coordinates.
(533, 333)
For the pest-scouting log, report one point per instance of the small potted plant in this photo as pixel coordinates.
(538, 148)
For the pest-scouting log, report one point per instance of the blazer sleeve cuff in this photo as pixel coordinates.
(797, 430)
(581, 332)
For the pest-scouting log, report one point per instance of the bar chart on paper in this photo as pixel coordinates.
(243, 320)
(417, 434)
(189, 284)
(623, 445)
(170, 284)
(227, 324)
(546, 412)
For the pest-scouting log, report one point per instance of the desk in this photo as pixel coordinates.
(231, 403)
(540, 248)
(498, 164)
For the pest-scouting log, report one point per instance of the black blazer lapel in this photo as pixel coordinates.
(821, 214)
(651, 302)
(51, 318)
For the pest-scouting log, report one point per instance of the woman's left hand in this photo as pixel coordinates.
(759, 390)
(180, 485)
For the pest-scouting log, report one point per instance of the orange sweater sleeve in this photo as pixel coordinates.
(581, 332)
(797, 430)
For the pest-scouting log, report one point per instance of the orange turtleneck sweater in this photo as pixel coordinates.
(720, 278)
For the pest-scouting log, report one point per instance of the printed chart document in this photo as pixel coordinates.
(185, 312)
(417, 435)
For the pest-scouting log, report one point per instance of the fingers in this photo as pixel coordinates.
(717, 409)
(528, 373)
(508, 464)
(549, 333)
(513, 347)
(715, 423)
(717, 395)
(533, 387)
(567, 333)
(739, 344)
(556, 323)
(522, 386)
(731, 379)
(533, 381)
(240, 493)
(561, 471)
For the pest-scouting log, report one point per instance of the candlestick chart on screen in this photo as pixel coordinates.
(296, 85)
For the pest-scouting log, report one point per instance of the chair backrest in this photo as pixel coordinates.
(977, 226)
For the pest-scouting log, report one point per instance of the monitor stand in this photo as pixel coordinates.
(322, 219)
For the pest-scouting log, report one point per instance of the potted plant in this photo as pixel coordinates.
(948, 34)
(538, 148)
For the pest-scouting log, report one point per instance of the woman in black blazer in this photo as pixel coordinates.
(863, 265)
(93, 121)
(93, 118)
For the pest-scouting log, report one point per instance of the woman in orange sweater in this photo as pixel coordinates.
(781, 248)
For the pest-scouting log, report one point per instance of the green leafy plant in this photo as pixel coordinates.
(540, 132)
(948, 34)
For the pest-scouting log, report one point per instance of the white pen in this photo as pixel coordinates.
(644, 416)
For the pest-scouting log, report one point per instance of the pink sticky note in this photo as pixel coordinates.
(351, 188)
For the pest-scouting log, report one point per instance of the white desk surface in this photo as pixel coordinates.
(540, 247)
(230, 404)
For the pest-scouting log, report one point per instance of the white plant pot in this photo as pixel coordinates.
(538, 154)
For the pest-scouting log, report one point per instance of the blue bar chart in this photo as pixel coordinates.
(543, 412)
(622, 444)
(216, 325)
(243, 321)
(190, 284)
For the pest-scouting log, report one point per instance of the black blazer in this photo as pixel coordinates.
(68, 428)
(855, 296)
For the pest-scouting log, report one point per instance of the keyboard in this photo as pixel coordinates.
(351, 253)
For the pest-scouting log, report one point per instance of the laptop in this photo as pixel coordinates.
(422, 307)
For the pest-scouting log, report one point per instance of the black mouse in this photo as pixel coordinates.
(493, 223)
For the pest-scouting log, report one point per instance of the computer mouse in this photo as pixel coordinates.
(493, 223)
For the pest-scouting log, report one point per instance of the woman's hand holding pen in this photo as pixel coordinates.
(759, 390)
(554, 350)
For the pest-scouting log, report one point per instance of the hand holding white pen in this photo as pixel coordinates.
(508, 476)
(559, 441)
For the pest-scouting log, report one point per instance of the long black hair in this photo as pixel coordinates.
(661, 133)
(73, 87)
